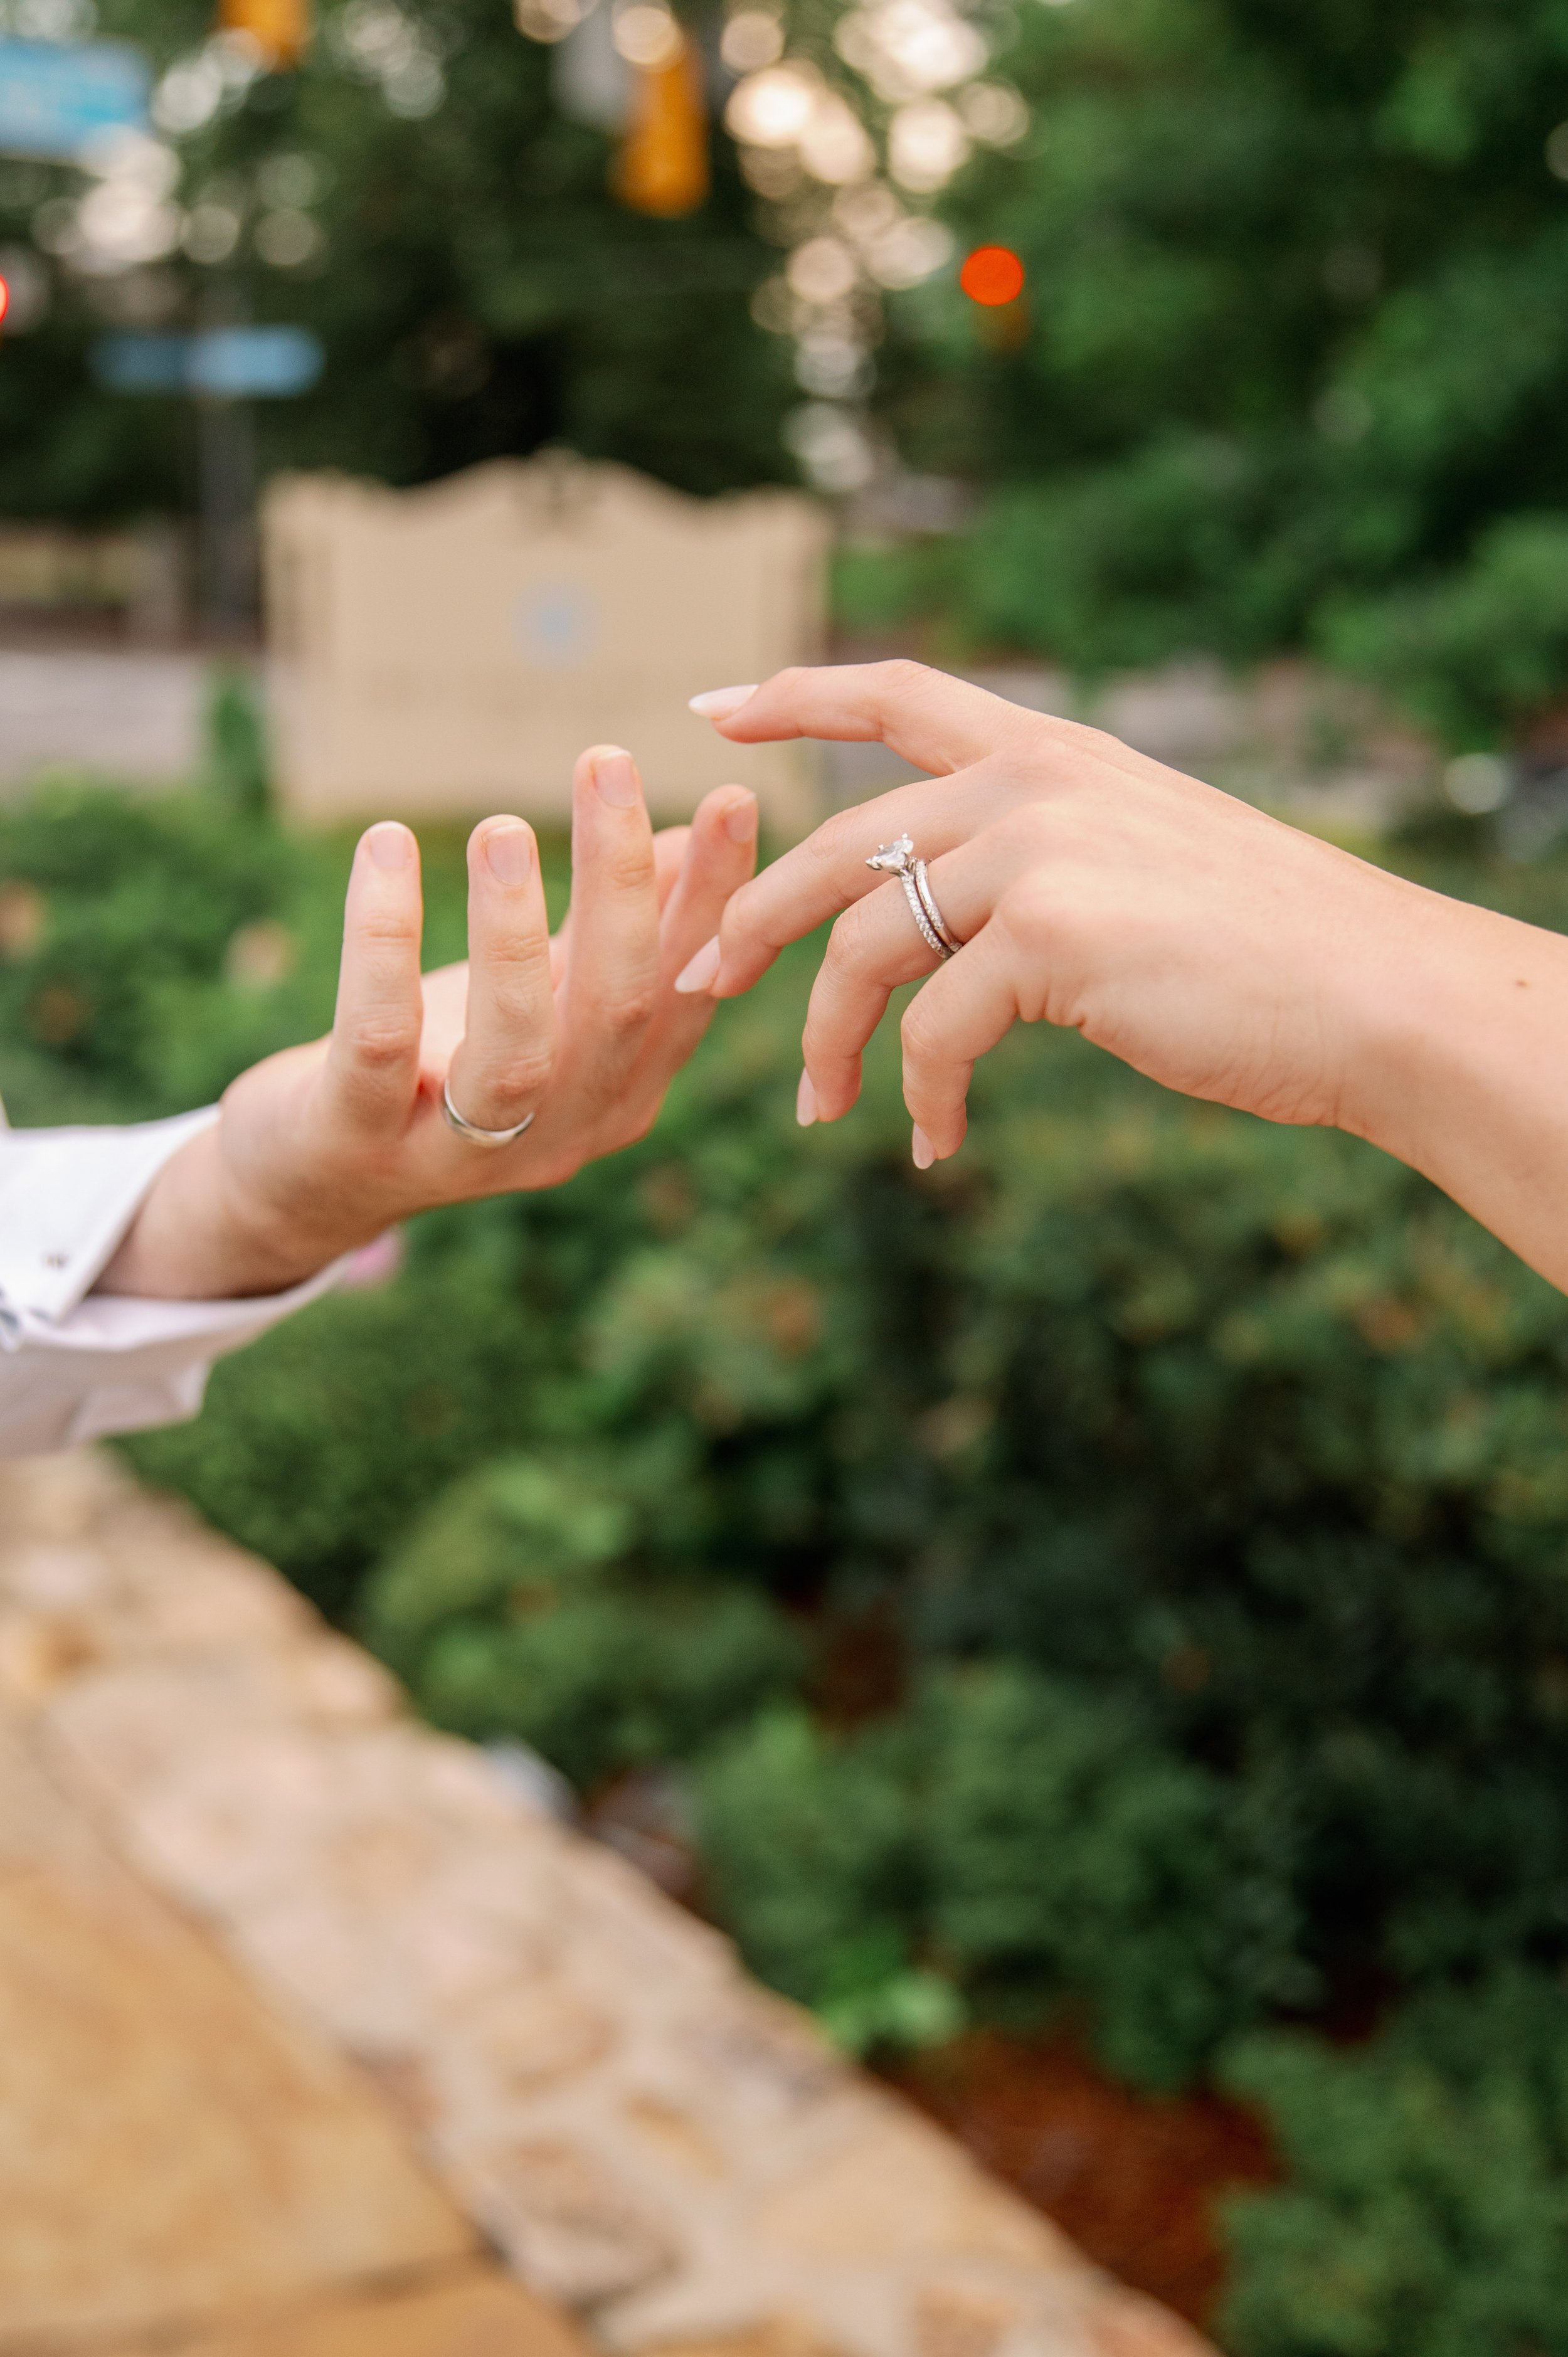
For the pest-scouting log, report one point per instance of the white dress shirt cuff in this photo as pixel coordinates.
(75, 1364)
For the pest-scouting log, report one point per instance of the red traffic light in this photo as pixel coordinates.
(5, 297)
(992, 275)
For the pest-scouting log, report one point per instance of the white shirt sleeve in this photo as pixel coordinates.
(74, 1364)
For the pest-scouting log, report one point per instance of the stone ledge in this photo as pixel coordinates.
(647, 2137)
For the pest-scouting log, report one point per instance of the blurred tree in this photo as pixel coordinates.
(1296, 340)
(411, 194)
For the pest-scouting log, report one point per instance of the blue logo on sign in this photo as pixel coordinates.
(557, 624)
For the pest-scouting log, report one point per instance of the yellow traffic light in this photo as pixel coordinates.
(662, 167)
(280, 28)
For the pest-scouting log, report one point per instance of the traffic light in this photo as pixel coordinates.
(991, 275)
(280, 28)
(662, 167)
(5, 299)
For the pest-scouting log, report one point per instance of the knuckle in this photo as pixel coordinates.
(629, 1010)
(920, 1031)
(848, 945)
(524, 1075)
(379, 1047)
(1036, 910)
(630, 869)
(899, 674)
(394, 927)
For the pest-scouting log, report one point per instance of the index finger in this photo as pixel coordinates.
(939, 722)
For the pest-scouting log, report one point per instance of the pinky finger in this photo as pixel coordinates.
(958, 1017)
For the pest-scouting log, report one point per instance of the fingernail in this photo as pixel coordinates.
(509, 854)
(805, 1101)
(614, 774)
(740, 820)
(703, 968)
(718, 702)
(925, 1152)
(390, 845)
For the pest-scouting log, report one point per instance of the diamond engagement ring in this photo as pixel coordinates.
(899, 860)
(471, 1130)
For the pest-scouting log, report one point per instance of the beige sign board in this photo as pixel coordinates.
(450, 651)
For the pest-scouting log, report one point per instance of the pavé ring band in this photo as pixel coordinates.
(471, 1130)
(899, 860)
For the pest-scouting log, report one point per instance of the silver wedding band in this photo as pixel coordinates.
(471, 1130)
(899, 860)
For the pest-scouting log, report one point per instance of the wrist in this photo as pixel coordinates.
(202, 1234)
(1461, 1067)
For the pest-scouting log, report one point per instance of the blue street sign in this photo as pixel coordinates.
(55, 99)
(222, 363)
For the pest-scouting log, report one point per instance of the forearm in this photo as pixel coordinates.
(1460, 1067)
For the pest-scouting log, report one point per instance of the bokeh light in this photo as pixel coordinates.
(993, 275)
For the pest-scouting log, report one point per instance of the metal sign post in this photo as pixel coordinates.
(223, 369)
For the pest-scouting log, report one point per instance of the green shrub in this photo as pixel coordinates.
(114, 998)
(1427, 2209)
(516, 1607)
(1071, 1855)
(1480, 652)
(1167, 1513)
(1028, 1844)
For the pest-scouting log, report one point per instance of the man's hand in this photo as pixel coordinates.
(324, 1146)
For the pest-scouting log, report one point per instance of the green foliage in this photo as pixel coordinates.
(478, 291)
(1427, 2209)
(515, 1607)
(1486, 644)
(240, 768)
(1120, 1571)
(1028, 1842)
(112, 994)
(1296, 335)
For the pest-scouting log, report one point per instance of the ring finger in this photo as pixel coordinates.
(502, 1064)
(875, 947)
(828, 871)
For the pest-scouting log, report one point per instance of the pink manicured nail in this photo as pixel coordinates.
(805, 1101)
(703, 968)
(719, 702)
(509, 854)
(740, 820)
(925, 1152)
(390, 845)
(614, 774)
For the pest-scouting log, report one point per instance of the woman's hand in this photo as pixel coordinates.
(1212, 947)
(322, 1147)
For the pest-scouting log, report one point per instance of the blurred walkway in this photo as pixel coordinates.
(132, 713)
(1291, 739)
(263, 1941)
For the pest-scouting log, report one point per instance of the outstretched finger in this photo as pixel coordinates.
(720, 852)
(612, 964)
(501, 1066)
(939, 722)
(964, 1009)
(876, 946)
(372, 1063)
(719, 856)
(669, 852)
(828, 872)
